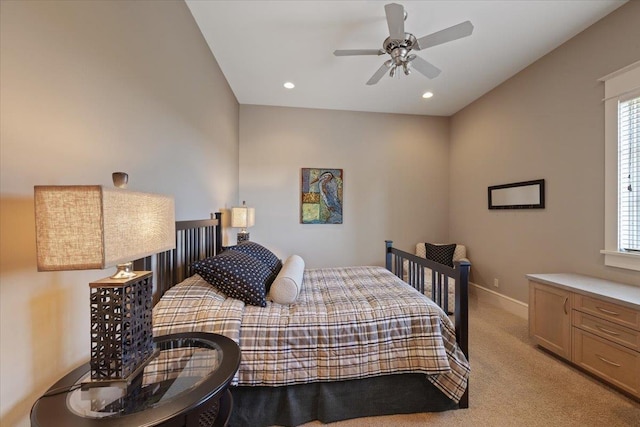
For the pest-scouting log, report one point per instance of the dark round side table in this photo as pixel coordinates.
(185, 384)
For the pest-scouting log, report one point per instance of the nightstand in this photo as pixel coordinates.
(184, 385)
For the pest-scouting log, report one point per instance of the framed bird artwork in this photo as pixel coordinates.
(321, 196)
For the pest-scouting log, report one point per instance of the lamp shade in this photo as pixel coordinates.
(94, 227)
(243, 217)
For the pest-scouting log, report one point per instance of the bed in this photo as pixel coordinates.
(402, 352)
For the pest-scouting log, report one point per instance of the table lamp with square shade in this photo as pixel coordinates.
(243, 217)
(85, 227)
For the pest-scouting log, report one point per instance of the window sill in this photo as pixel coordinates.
(628, 260)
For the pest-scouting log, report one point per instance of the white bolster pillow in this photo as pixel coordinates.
(287, 284)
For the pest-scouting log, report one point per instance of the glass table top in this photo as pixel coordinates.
(179, 366)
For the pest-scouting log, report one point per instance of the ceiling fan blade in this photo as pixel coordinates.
(395, 20)
(378, 74)
(353, 52)
(456, 32)
(425, 67)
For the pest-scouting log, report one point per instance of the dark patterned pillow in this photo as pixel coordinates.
(238, 275)
(260, 253)
(442, 254)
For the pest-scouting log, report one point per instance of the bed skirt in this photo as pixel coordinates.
(335, 401)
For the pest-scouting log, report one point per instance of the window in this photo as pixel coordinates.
(622, 168)
(629, 173)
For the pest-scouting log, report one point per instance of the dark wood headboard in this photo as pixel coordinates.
(195, 240)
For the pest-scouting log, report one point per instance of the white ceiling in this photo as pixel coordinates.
(262, 44)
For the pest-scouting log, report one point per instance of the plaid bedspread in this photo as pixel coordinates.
(347, 323)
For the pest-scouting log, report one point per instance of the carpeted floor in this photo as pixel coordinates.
(514, 383)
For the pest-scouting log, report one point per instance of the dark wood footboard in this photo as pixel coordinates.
(412, 268)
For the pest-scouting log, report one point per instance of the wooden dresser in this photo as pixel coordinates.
(592, 323)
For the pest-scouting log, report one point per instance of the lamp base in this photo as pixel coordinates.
(243, 236)
(121, 327)
(124, 383)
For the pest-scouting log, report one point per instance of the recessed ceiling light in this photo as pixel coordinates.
(289, 85)
(427, 95)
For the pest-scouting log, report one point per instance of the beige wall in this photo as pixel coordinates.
(89, 88)
(395, 180)
(546, 122)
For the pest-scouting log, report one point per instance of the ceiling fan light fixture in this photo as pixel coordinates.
(400, 43)
(289, 85)
(427, 95)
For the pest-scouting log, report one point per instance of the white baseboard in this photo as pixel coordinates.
(487, 296)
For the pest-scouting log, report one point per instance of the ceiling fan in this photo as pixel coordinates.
(399, 45)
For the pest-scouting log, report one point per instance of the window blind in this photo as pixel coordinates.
(629, 173)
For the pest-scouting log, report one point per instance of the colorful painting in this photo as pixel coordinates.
(321, 201)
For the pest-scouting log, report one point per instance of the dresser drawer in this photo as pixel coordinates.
(605, 329)
(606, 310)
(616, 364)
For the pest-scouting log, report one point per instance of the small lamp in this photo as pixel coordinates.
(83, 227)
(243, 217)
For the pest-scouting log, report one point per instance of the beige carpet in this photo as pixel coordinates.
(514, 383)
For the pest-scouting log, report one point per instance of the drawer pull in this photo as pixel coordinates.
(608, 361)
(604, 310)
(606, 331)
